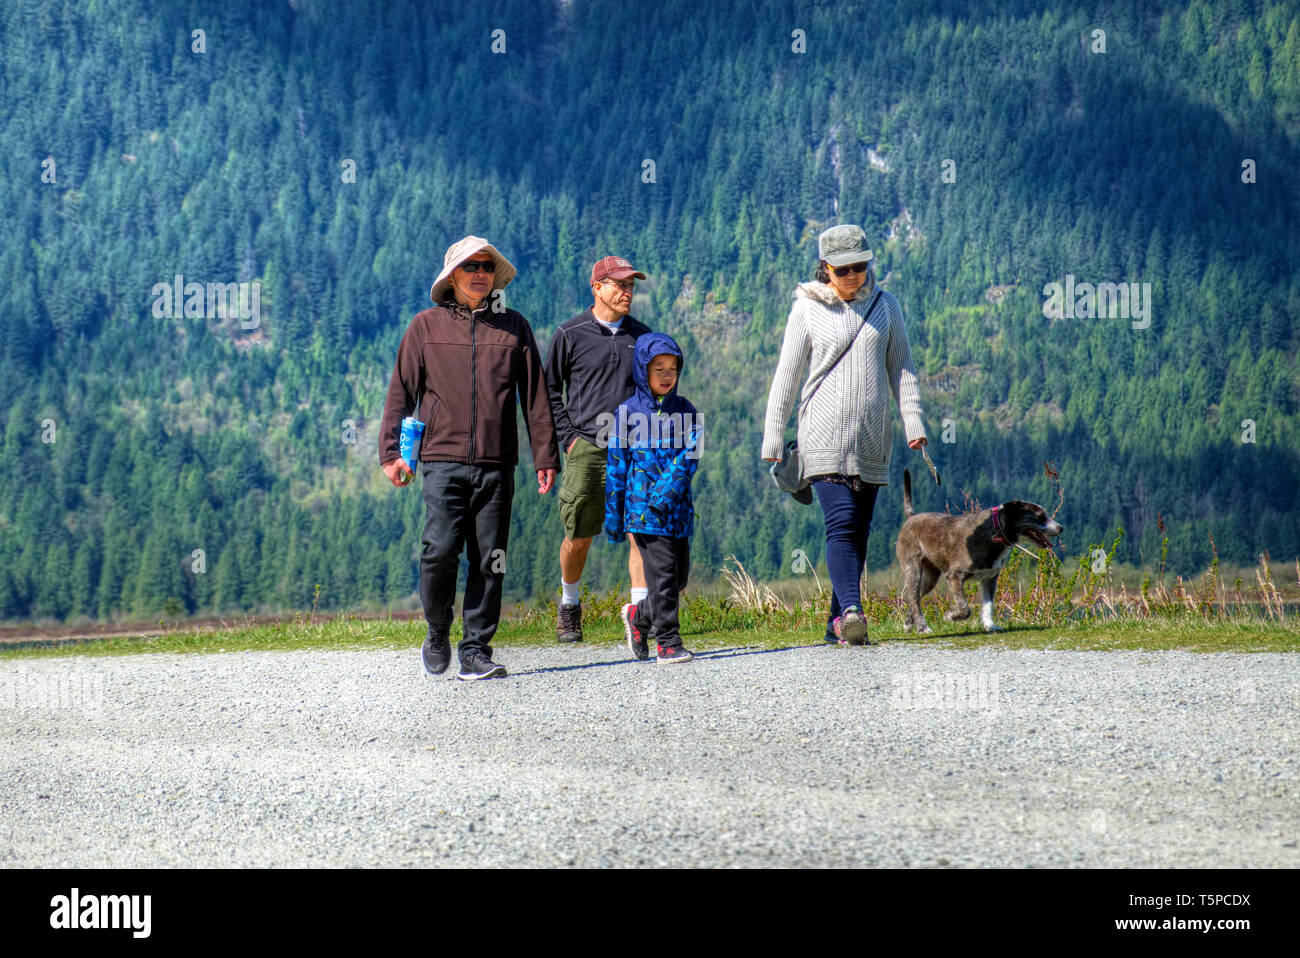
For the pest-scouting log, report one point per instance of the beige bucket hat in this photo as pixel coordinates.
(463, 250)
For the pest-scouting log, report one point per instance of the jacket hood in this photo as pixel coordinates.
(647, 348)
(825, 294)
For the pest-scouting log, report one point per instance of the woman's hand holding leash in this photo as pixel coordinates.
(925, 453)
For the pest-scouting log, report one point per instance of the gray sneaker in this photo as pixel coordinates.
(851, 627)
(474, 665)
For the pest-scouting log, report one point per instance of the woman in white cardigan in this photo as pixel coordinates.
(844, 422)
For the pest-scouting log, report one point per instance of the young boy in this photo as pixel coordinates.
(653, 452)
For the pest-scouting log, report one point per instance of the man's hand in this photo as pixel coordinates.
(916, 443)
(545, 480)
(398, 472)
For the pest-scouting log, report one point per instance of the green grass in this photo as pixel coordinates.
(713, 622)
(1081, 602)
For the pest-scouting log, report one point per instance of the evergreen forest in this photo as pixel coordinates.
(155, 461)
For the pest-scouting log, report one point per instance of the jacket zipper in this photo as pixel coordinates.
(473, 384)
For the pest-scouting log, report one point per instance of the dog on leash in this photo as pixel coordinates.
(960, 548)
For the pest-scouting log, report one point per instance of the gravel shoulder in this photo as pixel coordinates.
(805, 756)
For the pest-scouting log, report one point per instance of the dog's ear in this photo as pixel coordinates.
(1017, 510)
(1012, 508)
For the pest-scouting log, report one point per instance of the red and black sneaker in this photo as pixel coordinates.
(635, 640)
(674, 655)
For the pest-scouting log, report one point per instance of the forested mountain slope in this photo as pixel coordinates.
(331, 152)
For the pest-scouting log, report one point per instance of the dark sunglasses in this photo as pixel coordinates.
(473, 266)
(851, 268)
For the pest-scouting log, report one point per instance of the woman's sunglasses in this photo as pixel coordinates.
(473, 266)
(851, 268)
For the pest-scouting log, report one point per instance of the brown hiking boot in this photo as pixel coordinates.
(569, 626)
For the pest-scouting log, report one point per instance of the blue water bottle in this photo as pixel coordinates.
(408, 444)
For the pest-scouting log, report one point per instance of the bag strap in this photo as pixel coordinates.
(875, 298)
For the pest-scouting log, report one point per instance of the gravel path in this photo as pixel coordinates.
(828, 756)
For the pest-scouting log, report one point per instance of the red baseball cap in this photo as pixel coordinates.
(614, 267)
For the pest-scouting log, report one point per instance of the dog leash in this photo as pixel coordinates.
(930, 465)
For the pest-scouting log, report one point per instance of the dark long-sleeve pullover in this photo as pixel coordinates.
(594, 367)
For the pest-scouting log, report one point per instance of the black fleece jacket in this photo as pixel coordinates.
(595, 366)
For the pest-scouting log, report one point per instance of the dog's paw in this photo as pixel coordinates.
(955, 615)
(990, 627)
(923, 629)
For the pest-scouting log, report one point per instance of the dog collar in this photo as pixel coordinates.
(998, 534)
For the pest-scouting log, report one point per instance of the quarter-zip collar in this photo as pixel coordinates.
(461, 310)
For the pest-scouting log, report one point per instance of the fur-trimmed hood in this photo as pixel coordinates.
(825, 294)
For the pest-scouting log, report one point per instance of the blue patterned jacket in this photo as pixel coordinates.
(653, 452)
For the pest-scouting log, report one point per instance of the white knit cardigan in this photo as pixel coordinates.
(845, 427)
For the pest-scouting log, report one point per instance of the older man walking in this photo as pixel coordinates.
(589, 373)
(467, 358)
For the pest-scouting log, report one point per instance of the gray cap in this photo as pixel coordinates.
(841, 245)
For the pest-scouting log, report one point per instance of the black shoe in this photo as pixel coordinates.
(436, 652)
(569, 626)
(475, 665)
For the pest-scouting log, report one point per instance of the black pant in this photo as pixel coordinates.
(469, 506)
(667, 563)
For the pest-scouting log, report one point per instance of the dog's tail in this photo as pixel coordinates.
(907, 494)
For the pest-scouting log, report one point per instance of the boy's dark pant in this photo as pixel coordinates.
(667, 564)
(465, 506)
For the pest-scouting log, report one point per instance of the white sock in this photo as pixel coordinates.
(571, 592)
(639, 594)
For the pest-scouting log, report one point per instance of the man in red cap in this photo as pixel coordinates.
(588, 374)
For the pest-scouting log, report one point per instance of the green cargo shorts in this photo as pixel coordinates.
(582, 491)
